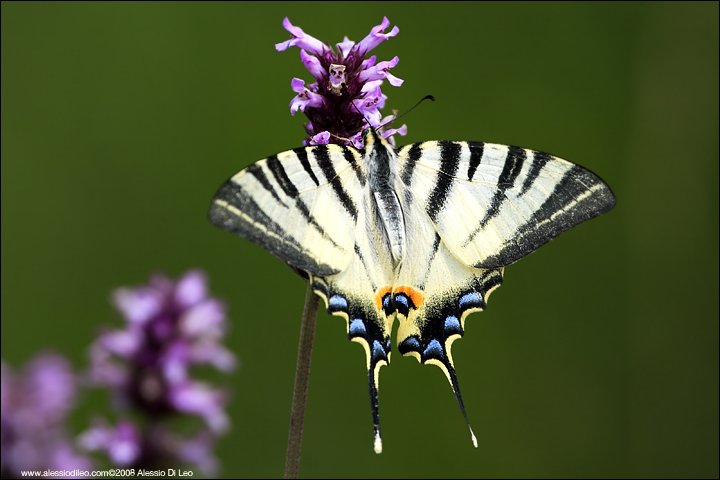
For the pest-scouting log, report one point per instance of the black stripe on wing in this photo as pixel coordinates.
(513, 165)
(579, 196)
(449, 160)
(413, 155)
(287, 185)
(476, 153)
(540, 159)
(322, 156)
(431, 259)
(351, 159)
(234, 210)
(256, 171)
(303, 157)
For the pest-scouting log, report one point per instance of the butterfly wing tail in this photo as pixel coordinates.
(429, 326)
(368, 325)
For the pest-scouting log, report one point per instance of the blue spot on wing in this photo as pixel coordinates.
(472, 298)
(452, 323)
(402, 299)
(386, 301)
(336, 301)
(412, 342)
(378, 351)
(357, 327)
(434, 349)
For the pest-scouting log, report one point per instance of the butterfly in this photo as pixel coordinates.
(421, 233)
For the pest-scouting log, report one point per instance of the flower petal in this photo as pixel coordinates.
(345, 46)
(191, 289)
(376, 37)
(198, 399)
(313, 65)
(305, 98)
(300, 39)
(137, 305)
(367, 63)
(382, 71)
(322, 138)
(122, 442)
(204, 319)
(50, 386)
(123, 343)
(199, 451)
(357, 140)
(297, 84)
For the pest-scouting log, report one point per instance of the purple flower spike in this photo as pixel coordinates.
(301, 39)
(346, 95)
(170, 326)
(35, 404)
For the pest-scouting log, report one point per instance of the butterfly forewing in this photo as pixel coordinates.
(288, 204)
(493, 204)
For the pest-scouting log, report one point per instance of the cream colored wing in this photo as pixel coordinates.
(493, 204)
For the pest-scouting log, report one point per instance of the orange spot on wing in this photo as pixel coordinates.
(379, 296)
(416, 297)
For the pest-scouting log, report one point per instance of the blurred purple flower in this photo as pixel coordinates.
(128, 447)
(331, 108)
(170, 326)
(121, 442)
(35, 404)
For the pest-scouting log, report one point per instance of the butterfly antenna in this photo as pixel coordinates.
(426, 97)
(344, 89)
(341, 138)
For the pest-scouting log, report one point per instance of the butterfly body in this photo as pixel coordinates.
(420, 234)
(381, 166)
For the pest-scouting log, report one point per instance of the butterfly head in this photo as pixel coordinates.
(371, 139)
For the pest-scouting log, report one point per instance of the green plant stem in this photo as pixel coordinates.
(302, 374)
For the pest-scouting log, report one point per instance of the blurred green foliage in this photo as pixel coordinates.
(597, 358)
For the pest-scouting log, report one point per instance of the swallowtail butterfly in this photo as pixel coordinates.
(421, 233)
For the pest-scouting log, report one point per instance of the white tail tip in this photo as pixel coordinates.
(474, 440)
(378, 443)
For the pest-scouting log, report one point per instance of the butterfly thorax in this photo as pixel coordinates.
(381, 166)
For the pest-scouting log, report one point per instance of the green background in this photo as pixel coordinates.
(598, 356)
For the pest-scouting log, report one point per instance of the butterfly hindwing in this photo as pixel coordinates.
(493, 204)
(434, 292)
(300, 205)
(361, 295)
